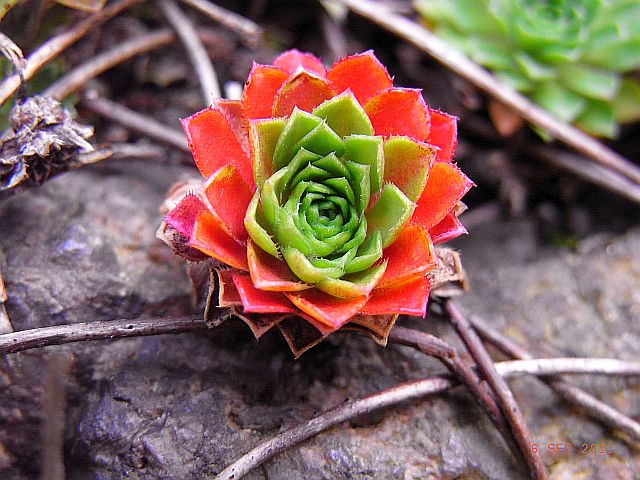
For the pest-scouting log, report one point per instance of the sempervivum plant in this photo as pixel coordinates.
(567, 55)
(324, 193)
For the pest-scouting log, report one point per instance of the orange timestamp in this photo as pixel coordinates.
(566, 448)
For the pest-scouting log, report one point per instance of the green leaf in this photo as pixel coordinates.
(333, 164)
(344, 115)
(354, 285)
(626, 106)
(368, 253)
(407, 164)
(464, 15)
(321, 140)
(301, 159)
(532, 68)
(516, 80)
(390, 214)
(590, 82)
(305, 270)
(342, 187)
(620, 57)
(254, 225)
(270, 196)
(264, 135)
(299, 124)
(367, 150)
(598, 119)
(361, 184)
(563, 103)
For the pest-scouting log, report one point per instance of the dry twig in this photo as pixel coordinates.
(481, 78)
(248, 31)
(78, 77)
(503, 393)
(56, 45)
(135, 121)
(594, 407)
(5, 323)
(329, 418)
(196, 51)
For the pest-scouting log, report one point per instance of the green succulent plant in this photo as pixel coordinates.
(572, 57)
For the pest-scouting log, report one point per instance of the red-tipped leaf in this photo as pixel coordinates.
(293, 59)
(303, 90)
(260, 301)
(362, 73)
(408, 299)
(399, 111)
(446, 185)
(409, 257)
(443, 133)
(270, 273)
(260, 90)
(447, 229)
(210, 238)
(324, 308)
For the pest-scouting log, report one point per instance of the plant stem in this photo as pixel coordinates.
(329, 418)
(195, 49)
(248, 31)
(78, 77)
(594, 407)
(504, 395)
(135, 121)
(56, 45)
(435, 347)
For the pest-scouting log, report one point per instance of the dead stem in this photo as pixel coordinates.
(135, 121)
(329, 418)
(502, 391)
(56, 45)
(5, 323)
(78, 77)
(592, 406)
(433, 346)
(248, 31)
(195, 49)
(54, 401)
(593, 172)
(481, 78)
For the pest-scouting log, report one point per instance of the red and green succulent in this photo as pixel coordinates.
(324, 193)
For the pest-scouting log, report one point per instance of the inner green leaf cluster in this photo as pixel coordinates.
(312, 210)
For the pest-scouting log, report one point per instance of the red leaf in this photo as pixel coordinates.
(290, 60)
(260, 301)
(270, 273)
(214, 144)
(210, 238)
(443, 133)
(408, 299)
(260, 90)
(183, 216)
(232, 111)
(409, 257)
(362, 73)
(324, 308)
(229, 196)
(446, 185)
(303, 90)
(448, 229)
(399, 111)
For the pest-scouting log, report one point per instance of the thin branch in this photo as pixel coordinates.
(79, 332)
(56, 45)
(508, 402)
(329, 418)
(248, 31)
(439, 349)
(594, 407)
(541, 367)
(593, 172)
(195, 49)
(481, 78)
(5, 323)
(346, 411)
(78, 77)
(54, 400)
(135, 121)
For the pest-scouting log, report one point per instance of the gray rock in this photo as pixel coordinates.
(185, 406)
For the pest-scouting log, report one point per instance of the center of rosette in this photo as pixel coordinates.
(320, 170)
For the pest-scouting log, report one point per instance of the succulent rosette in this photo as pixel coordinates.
(325, 192)
(573, 57)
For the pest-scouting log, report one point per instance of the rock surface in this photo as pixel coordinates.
(82, 248)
